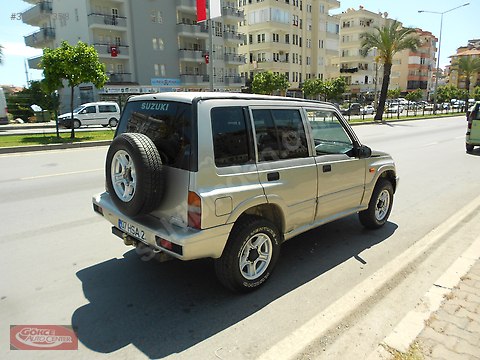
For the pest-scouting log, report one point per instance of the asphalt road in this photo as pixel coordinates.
(61, 265)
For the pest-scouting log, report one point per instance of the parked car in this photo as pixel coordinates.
(232, 176)
(394, 108)
(352, 109)
(3, 108)
(367, 110)
(105, 113)
(472, 137)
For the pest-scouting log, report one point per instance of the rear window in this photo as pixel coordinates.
(168, 124)
(107, 108)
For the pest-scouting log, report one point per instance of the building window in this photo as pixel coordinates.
(156, 16)
(159, 69)
(157, 44)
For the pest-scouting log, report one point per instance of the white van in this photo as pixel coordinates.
(3, 108)
(105, 113)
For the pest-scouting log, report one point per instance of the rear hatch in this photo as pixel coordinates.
(170, 126)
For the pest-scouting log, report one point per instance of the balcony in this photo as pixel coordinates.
(234, 59)
(234, 37)
(229, 13)
(106, 50)
(33, 16)
(119, 78)
(40, 38)
(105, 20)
(191, 55)
(193, 30)
(187, 6)
(194, 80)
(236, 81)
(34, 62)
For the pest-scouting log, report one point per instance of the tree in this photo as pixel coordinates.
(312, 88)
(476, 93)
(267, 82)
(1, 54)
(334, 88)
(467, 66)
(388, 40)
(415, 95)
(75, 65)
(393, 93)
(330, 89)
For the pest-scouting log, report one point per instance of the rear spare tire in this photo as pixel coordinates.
(133, 174)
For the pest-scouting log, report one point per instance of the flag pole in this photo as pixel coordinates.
(210, 36)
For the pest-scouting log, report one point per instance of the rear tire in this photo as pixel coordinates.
(250, 255)
(379, 207)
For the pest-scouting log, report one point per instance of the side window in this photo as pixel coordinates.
(230, 136)
(329, 135)
(280, 134)
(106, 108)
(90, 110)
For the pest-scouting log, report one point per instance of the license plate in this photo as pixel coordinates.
(131, 229)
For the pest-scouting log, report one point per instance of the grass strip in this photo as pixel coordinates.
(51, 138)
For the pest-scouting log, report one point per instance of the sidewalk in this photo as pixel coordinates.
(451, 328)
(453, 331)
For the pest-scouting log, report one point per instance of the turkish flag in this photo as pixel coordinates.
(113, 51)
(201, 10)
(207, 58)
(215, 8)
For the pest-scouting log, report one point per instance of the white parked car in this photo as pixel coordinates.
(368, 110)
(106, 113)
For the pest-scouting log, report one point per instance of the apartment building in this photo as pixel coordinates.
(146, 46)
(417, 68)
(363, 74)
(472, 49)
(291, 37)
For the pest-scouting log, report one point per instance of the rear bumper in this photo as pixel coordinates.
(188, 243)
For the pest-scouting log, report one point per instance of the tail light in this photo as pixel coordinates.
(194, 210)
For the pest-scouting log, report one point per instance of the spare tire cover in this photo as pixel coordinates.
(134, 174)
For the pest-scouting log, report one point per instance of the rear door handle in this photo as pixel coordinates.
(327, 168)
(273, 176)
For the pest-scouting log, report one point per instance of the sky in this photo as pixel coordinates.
(459, 26)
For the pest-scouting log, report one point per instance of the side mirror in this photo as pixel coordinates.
(364, 152)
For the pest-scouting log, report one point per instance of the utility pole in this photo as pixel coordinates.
(210, 56)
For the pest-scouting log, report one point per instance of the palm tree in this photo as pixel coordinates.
(467, 66)
(388, 40)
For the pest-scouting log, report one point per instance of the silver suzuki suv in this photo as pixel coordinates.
(232, 176)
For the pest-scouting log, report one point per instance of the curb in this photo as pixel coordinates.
(21, 149)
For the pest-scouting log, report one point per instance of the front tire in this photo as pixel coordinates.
(76, 123)
(112, 122)
(379, 207)
(469, 148)
(250, 255)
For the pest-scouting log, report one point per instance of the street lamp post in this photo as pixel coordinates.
(439, 45)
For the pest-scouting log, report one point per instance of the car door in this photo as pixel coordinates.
(286, 169)
(89, 114)
(341, 175)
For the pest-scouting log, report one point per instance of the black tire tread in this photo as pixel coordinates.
(223, 267)
(148, 166)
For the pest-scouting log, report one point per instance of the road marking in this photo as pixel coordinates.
(292, 345)
(60, 174)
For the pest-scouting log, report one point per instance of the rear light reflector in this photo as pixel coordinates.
(97, 209)
(194, 210)
(168, 245)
